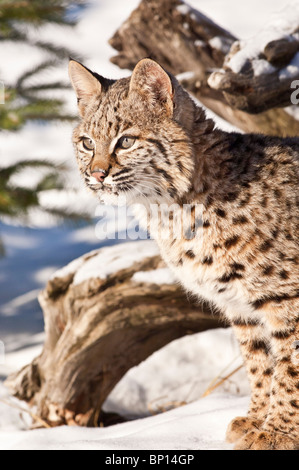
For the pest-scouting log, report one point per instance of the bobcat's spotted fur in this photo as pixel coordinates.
(145, 138)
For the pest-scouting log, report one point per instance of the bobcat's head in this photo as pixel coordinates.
(133, 138)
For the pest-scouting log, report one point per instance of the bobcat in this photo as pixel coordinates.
(143, 137)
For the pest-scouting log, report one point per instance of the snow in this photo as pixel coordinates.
(281, 24)
(292, 70)
(184, 9)
(178, 373)
(220, 43)
(183, 371)
(10, 421)
(215, 79)
(293, 111)
(157, 276)
(261, 66)
(194, 426)
(186, 75)
(176, 376)
(67, 199)
(115, 258)
(69, 269)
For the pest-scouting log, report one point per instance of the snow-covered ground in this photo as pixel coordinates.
(195, 426)
(180, 372)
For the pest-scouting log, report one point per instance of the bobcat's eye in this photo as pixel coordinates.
(88, 144)
(125, 142)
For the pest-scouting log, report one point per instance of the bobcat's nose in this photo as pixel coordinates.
(99, 174)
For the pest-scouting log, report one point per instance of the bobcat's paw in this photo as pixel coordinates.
(240, 426)
(264, 440)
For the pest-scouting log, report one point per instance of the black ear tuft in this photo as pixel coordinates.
(87, 84)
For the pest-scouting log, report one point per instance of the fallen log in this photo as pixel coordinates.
(183, 40)
(104, 313)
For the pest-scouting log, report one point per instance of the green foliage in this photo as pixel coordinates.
(33, 12)
(25, 101)
(16, 113)
(15, 201)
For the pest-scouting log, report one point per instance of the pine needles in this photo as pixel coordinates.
(31, 99)
(25, 101)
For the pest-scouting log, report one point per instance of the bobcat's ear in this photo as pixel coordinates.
(151, 81)
(85, 83)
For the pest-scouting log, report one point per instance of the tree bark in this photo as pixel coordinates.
(183, 40)
(96, 331)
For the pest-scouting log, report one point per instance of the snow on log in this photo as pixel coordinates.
(258, 73)
(104, 313)
(183, 40)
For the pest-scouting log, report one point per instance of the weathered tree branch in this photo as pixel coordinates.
(262, 81)
(184, 40)
(171, 32)
(96, 331)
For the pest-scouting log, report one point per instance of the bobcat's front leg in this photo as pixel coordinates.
(256, 352)
(280, 431)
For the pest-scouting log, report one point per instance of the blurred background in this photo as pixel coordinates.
(47, 218)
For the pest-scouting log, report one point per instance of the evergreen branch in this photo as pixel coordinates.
(7, 172)
(67, 215)
(34, 11)
(47, 86)
(58, 51)
(38, 109)
(44, 65)
(50, 181)
(16, 201)
(9, 33)
(51, 117)
(23, 102)
(26, 91)
(12, 34)
(30, 93)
